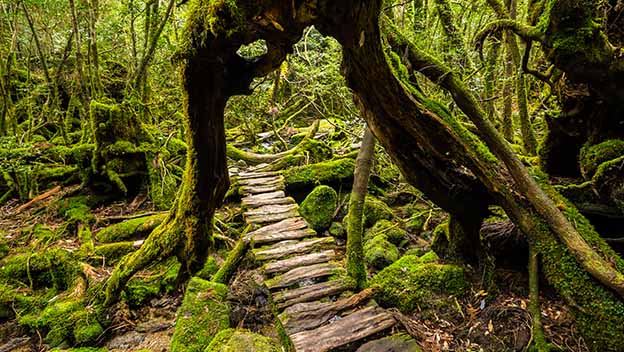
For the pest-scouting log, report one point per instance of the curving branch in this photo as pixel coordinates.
(528, 33)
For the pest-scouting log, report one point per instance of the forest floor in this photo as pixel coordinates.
(479, 321)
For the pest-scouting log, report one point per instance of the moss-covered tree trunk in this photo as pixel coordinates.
(356, 268)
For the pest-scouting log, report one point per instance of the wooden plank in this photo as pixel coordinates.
(290, 224)
(284, 265)
(354, 327)
(293, 276)
(262, 189)
(268, 195)
(256, 203)
(256, 174)
(261, 181)
(283, 236)
(261, 219)
(308, 316)
(287, 248)
(271, 209)
(287, 298)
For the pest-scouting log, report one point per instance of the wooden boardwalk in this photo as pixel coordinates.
(305, 272)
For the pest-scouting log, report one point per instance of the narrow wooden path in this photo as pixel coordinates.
(305, 272)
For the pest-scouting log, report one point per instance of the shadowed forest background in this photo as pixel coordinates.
(461, 162)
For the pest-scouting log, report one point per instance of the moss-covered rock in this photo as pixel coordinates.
(237, 340)
(319, 206)
(392, 231)
(375, 210)
(54, 267)
(592, 156)
(332, 172)
(337, 230)
(203, 313)
(379, 252)
(398, 342)
(413, 282)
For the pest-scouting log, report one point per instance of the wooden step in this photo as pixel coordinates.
(256, 203)
(318, 291)
(256, 174)
(290, 224)
(308, 316)
(261, 181)
(262, 196)
(354, 327)
(262, 189)
(283, 236)
(271, 209)
(288, 248)
(296, 275)
(284, 265)
(266, 218)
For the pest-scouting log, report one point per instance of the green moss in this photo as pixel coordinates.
(319, 206)
(203, 313)
(592, 156)
(237, 340)
(415, 223)
(410, 283)
(379, 252)
(333, 172)
(88, 332)
(337, 230)
(130, 228)
(375, 210)
(54, 267)
(139, 291)
(392, 231)
(112, 252)
(4, 247)
(209, 269)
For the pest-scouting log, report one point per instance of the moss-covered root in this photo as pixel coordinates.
(203, 313)
(131, 228)
(235, 255)
(162, 243)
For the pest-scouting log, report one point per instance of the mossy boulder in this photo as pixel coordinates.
(415, 223)
(203, 313)
(237, 340)
(375, 210)
(332, 172)
(379, 252)
(319, 206)
(398, 342)
(337, 230)
(54, 267)
(392, 231)
(592, 156)
(413, 282)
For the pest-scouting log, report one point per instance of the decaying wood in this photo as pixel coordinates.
(293, 276)
(307, 316)
(353, 327)
(38, 198)
(271, 209)
(290, 224)
(249, 175)
(302, 260)
(283, 236)
(287, 298)
(286, 248)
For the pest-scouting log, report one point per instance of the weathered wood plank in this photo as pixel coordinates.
(256, 174)
(271, 209)
(264, 218)
(308, 316)
(290, 224)
(287, 298)
(283, 236)
(261, 181)
(268, 195)
(286, 248)
(353, 327)
(262, 189)
(256, 203)
(293, 276)
(284, 265)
